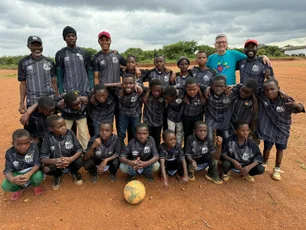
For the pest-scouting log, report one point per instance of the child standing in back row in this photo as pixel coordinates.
(275, 116)
(154, 105)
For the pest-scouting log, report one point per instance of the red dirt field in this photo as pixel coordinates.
(238, 204)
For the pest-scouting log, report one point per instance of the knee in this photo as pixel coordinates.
(37, 177)
(155, 166)
(226, 165)
(79, 162)
(260, 169)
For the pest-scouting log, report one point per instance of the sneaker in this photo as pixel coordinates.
(249, 178)
(38, 190)
(149, 177)
(276, 173)
(16, 195)
(130, 178)
(94, 178)
(191, 176)
(57, 183)
(226, 177)
(112, 177)
(77, 178)
(216, 181)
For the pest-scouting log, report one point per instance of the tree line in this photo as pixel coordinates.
(171, 52)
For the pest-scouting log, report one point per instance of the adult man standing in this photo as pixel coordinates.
(36, 74)
(225, 61)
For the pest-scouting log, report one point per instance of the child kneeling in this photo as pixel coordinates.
(22, 166)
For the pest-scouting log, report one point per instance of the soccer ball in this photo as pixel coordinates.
(134, 192)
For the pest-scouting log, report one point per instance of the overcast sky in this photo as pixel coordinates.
(150, 24)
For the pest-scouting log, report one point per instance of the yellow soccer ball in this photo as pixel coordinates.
(134, 192)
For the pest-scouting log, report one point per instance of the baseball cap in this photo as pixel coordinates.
(250, 41)
(34, 38)
(104, 33)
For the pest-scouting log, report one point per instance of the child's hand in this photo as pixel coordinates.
(19, 180)
(22, 109)
(293, 104)
(60, 163)
(97, 142)
(61, 103)
(66, 161)
(267, 73)
(138, 89)
(219, 140)
(228, 90)
(245, 171)
(207, 92)
(24, 119)
(166, 185)
(172, 78)
(137, 72)
(237, 165)
(101, 167)
(194, 165)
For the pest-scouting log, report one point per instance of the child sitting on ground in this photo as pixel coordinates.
(22, 166)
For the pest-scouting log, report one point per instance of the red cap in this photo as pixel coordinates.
(250, 41)
(104, 33)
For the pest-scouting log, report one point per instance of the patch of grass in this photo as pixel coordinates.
(12, 66)
(8, 75)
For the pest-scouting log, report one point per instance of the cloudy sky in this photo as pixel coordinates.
(150, 24)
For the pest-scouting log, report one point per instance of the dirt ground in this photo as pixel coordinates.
(238, 204)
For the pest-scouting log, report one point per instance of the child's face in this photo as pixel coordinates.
(243, 131)
(128, 84)
(192, 89)
(271, 90)
(59, 127)
(70, 39)
(76, 105)
(169, 99)
(22, 144)
(142, 134)
(159, 63)
(156, 90)
(250, 50)
(131, 64)
(47, 111)
(183, 65)
(245, 92)
(101, 96)
(105, 43)
(36, 49)
(218, 87)
(106, 131)
(201, 132)
(202, 59)
(170, 140)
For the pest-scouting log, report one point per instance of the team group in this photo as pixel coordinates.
(218, 121)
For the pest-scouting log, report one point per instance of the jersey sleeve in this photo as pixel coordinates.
(45, 148)
(122, 60)
(21, 72)
(117, 148)
(59, 71)
(76, 144)
(9, 167)
(36, 160)
(127, 151)
(188, 147)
